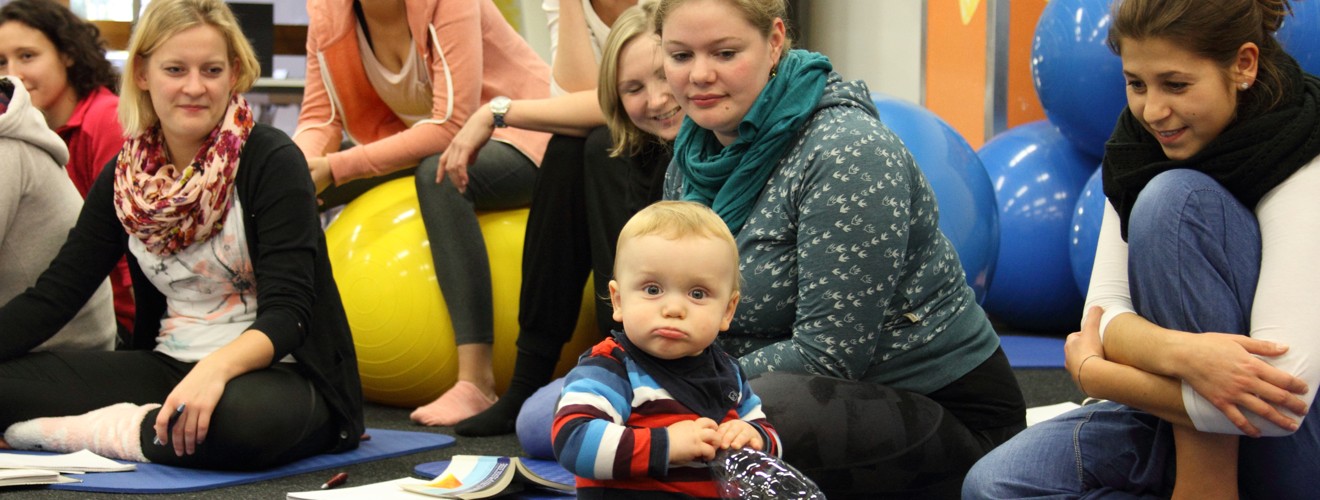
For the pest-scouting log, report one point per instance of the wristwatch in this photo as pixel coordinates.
(498, 107)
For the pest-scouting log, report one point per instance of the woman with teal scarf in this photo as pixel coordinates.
(871, 356)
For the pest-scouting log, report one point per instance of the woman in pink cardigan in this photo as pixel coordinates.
(399, 78)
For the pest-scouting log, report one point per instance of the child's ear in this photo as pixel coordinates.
(616, 301)
(728, 313)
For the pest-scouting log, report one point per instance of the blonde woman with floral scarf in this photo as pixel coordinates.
(238, 314)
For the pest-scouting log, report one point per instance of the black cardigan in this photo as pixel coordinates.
(298, 304)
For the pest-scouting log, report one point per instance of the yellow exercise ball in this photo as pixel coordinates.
(401, 327)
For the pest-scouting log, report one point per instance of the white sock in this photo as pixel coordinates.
(113, 432)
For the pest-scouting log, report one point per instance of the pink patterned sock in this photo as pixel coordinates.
(111, 432)
(461, 401)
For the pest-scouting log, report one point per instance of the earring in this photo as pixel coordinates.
(1244, 86)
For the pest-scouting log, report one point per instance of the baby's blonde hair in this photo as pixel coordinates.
(679, 219)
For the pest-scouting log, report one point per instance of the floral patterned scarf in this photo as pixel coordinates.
(169, 208)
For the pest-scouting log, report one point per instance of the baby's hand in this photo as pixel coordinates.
(691, 440)
(737, 434)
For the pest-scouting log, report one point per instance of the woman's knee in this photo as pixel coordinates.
(1174, 198)
(425, 178)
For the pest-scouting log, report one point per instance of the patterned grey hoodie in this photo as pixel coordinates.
(845, 271)
(38, 206)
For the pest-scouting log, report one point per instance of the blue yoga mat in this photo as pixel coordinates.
(156, 478)
(1033, 352)
(548, 469)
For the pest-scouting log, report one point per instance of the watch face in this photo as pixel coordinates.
(500, 104)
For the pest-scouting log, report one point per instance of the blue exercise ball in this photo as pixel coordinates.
(537, 418)
(1079, 80)
(1300, 35)
(1037, 175)
(963, 192)
(1084, 232)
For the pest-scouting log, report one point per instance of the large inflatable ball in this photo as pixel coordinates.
(1084, 231)
(401, 328)
(1037, 175)
(1300, 35)
(1079, 80)
(962, 189)
(536, 420)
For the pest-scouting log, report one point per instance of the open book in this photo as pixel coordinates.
(473, 476)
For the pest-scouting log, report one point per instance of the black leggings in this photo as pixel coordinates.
(265, 418)
(865, 440)
(583, 198)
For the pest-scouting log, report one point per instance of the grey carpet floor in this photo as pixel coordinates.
(1040, 387)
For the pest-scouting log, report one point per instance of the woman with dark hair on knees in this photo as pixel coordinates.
(589, 185)
(872, 358)
(241, 357)
(400, 78)
(1200, 328)
(62, 63)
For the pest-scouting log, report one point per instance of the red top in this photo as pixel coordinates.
(94, 138)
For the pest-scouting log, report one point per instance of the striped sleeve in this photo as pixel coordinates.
(590, 438)
(749, 409)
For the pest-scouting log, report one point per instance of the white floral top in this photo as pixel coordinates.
(210, 290)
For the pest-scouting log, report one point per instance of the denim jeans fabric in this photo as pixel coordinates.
(1103, 450)
(1194, 260)
(1193, 255)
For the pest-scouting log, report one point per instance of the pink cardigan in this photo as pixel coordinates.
(474, 55)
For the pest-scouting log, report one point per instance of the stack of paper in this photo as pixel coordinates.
(28, 477)
(23, 469)
(71, 463)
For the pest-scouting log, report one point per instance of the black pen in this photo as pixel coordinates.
(169, 429)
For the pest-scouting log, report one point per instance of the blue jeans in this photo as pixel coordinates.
(1193, 263)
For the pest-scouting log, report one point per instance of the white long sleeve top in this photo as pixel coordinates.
(1284, 309)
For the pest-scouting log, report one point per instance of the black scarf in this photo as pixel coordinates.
(708, 383)
(1259, 150)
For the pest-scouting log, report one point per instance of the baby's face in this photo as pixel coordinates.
(674, 296)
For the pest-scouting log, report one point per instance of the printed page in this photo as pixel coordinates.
(470, 476)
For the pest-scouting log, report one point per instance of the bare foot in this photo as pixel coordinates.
(457, 404)
(3, 444)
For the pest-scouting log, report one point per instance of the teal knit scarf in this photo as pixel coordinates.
(730, 178)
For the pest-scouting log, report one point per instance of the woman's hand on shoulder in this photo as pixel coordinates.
(463, 149)
(1227, 370)
(319, 167)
